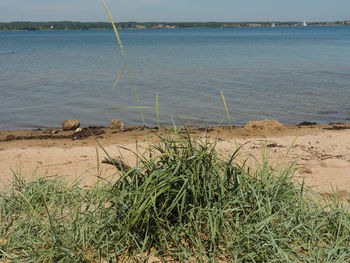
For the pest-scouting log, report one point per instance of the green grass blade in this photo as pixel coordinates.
(130, 107)
(226, 109)
(120, 75)
(157, 111)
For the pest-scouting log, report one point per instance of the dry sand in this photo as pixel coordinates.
(321, 151)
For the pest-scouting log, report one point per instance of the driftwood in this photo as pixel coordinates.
(118, 163)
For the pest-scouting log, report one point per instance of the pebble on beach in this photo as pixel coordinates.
(116, 125)
(77, 130)
(68, 125)
(50, 131)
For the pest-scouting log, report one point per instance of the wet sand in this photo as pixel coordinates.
(321, 152)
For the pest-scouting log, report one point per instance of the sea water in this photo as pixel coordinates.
(290, 74)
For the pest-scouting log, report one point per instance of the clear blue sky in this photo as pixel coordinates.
(175, 10)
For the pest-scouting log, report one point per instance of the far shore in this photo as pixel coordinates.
(320, 151)
(108, 29)
(75, 25)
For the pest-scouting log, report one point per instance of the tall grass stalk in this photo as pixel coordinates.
(157, 111)
(226, 109)
(125, 61)
(230, 124)
(119, 77)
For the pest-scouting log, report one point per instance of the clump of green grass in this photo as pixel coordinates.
(182, 202)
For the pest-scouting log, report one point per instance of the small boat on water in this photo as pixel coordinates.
(273, 24)
(304, 24)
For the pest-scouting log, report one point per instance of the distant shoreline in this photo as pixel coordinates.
(107, 29)
(68, 25)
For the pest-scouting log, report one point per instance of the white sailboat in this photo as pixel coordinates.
(273, 24)
(304, 24)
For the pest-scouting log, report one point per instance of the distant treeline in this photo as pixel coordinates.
(68, 25)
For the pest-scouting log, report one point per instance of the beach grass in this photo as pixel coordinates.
(182, 202)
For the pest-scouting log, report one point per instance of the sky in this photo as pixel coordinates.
(175, 10)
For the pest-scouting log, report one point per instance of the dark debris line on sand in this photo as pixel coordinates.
(307, 123)
(84, 133)
(338, 126)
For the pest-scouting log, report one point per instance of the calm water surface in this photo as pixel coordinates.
(287, 74)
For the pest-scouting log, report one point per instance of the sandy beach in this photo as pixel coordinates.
(321, 152)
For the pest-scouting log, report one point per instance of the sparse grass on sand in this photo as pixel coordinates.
(181, 203)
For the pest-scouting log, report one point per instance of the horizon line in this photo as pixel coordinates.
(131, 21)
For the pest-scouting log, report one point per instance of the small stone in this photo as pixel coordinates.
(68, 125)
(270, 125)
(117, 124)
(78, 130)
(50, 131)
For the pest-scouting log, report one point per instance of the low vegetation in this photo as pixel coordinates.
(182, 202)
(70, 25)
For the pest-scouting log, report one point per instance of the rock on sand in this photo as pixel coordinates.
(68, 125)
(270, 125)
(116, 125)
